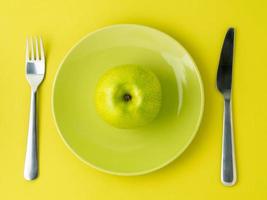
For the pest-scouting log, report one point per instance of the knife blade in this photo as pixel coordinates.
(224, 85)
(224, 74)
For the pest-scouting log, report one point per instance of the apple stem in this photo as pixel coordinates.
(127, 97)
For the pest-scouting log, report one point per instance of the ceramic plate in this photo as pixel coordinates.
(127, 151)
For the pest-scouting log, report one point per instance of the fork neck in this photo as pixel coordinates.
(34, 89)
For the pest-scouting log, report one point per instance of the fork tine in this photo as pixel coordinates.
(41, 49)
(32, 51)
(36, 48)
(27, 49)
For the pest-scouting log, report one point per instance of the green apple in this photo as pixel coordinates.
(128, 96)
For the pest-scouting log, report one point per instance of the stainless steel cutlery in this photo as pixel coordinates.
(224, 84)
(35, 71)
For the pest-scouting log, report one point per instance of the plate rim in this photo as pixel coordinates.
(178, 153)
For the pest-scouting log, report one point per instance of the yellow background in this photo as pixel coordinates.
(198, 25)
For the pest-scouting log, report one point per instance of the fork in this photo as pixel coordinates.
(35, 71)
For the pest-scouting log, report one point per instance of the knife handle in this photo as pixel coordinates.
(228, 165)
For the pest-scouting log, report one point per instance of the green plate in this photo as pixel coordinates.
(124, 151)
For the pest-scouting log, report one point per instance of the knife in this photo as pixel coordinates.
(224, 85)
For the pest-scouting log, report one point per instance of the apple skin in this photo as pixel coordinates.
(128, 96)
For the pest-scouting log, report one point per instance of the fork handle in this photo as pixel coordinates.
(228, 166)
(31, 162)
